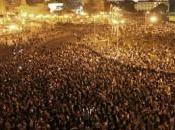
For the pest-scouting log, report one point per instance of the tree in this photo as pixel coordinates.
(126, 5)
(161, 8)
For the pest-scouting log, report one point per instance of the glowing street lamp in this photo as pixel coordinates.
(83, 13)
(31, 16)
(122, 21)
(115, 22)
(13, 28)
(153, 19)
(24, 14)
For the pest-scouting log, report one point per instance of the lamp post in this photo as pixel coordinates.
(94, 29)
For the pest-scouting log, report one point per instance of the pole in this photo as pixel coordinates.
(94, 31)
(117, 35)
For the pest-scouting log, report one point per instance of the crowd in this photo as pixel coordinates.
(86, 83)
(148, 46)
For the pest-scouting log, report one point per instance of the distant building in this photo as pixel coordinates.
(33, 6)
(94, 5)
(8, 5)
(147, 6)
(11, 4)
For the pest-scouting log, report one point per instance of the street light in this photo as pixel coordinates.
(115, 29)
(14, 28)
(115, 22)
(24, 14)
(122, 21)
(153, 19)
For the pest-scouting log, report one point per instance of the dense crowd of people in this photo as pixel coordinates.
(148, 46)
(77, 77)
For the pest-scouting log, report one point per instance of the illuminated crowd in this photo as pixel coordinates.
(86, 80)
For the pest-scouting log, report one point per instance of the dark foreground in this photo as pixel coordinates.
(67, 84)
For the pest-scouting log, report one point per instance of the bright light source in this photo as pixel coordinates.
(13, 27)
(83, 13)
(114, 21)
(122, 21)
(24, 14)
(55, 7)
(31, 15)
(135, 0)
(147, 12)
(153, 19)
(39, 16)
(66, 16)
(23, 22)
(78, 10)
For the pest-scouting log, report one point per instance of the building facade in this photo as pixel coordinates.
(94, 5)
(149, 5)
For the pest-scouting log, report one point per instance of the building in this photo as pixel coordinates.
(11, 5)
(94, 5)
(149, 5)
(33, 6)
(8, 5)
